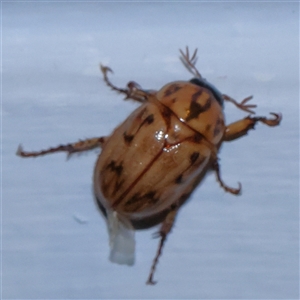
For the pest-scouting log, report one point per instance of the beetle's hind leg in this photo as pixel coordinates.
(163, 232)
(78, 147)
(133, 90)
(231, 190)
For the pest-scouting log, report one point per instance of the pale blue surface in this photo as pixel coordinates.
(221, 246)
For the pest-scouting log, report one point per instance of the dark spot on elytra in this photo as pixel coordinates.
(118, 169)
(178, 179)
(166, 114)
(118, 185)
(150, 194)
(218, 127)
(195, 108)
(208, 127)
(136, 197)
(194, 156)
(128, 137)
(172, 89)
(149, 119)
(138, 201)
(197, 138)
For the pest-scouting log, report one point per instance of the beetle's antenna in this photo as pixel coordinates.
(190, 63)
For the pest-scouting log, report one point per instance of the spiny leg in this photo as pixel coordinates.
(243, 106)
(81, 146)
(231, 190)
(133, 90)
(164, 231)
(240, 128)
(190, 62)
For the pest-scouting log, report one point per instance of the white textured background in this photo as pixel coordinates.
(222, 247)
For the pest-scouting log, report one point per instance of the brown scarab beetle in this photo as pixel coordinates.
(153, 161)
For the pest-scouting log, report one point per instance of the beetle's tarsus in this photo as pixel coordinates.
(163, 232)
(155, 261)
(133, 91)
(242, 105)
(226, 188)
(270, 122)
(78, 147)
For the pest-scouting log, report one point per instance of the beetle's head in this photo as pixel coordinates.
(203, 83)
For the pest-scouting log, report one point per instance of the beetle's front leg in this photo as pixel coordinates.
(163, 232)
(240, 128)
(78, 147)
(133, 90)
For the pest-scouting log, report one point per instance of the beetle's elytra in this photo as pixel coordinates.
(153, 161)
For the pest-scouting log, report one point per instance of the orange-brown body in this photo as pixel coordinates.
(155, 157)
(153, 161)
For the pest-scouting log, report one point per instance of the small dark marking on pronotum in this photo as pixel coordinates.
(194, 156)
(172, 89)
(195, 108)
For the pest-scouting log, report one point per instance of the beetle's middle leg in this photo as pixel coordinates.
(78, 147)
(163, 232)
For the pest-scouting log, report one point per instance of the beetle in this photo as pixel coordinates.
(153, 161)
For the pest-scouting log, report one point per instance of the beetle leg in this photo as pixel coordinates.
(77, 147)
(240, 128)
(243, 106)
(231, 190)
(133, 90)
(190, 62)
(164, 231)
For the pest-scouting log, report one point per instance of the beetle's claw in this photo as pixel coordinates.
(235, 191)
(150, 281)
(20, 151)
(272, 122)
(105, 69)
